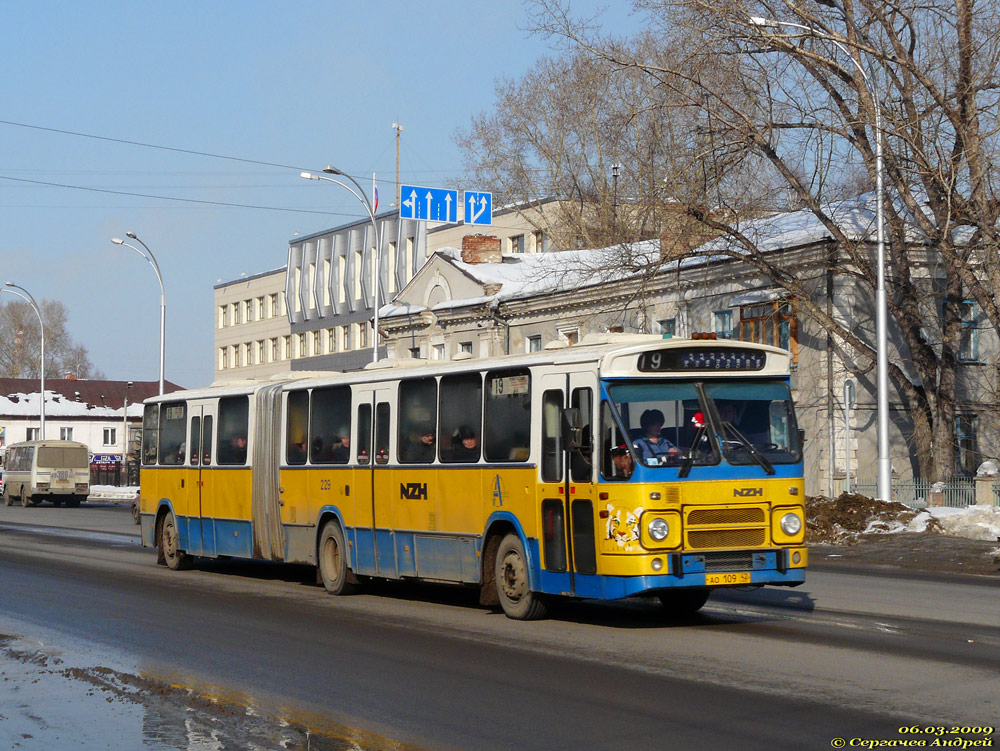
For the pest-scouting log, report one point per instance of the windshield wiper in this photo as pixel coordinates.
(750, 448)
(688, 461)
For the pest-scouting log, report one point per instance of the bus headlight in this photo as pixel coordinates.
(791, 524)
(658, 529)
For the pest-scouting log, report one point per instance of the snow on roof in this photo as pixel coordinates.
(65, 397)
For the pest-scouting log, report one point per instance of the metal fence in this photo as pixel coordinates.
(959, 492)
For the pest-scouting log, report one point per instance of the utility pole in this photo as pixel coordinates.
(395, 196)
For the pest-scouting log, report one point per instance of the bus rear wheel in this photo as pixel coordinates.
(513, 586)
(8, 499)
(333, 558)
(684, 601)
(169, 544)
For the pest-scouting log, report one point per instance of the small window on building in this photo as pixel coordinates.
(417, 421)
(234, 418)
(516, 244)
(317, 342)
(437, 351)
(31, 434)
(223, 316)
(534, 343)
(110, 436)
(667, 326)
(968, 350)
(303, 350)
(287, 350)
(414, 353)
(507, 429)
(570, 335)
(261, 310)
(65, 434)
(363, 335)
(275, 351)
(771, 323)
(274, 305)
(331, 340)
(236, 313)
(967, 458)
(248, 351)
(223, 358)
(724, 324)
(345, 337)
(248, 307)
(465, 348)
(261, 352)
(539, 242)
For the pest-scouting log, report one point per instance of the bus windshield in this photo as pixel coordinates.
(756, 422)
(678, 423)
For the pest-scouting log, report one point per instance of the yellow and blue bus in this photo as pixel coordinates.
(626, 465)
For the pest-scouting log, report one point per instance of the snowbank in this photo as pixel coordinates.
(112, 493)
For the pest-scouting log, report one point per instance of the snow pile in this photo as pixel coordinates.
(845, 519)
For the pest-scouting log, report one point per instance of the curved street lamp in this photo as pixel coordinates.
(360, 195)
(25, 295)
(148, 255)
(884, 491)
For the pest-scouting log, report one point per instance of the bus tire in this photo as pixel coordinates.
(169, 545)
(8, 499)
(513, 586)
(333, 557)
(684, 601)
(27, 499)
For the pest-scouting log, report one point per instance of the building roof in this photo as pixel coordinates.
(247, 278)
(76, 398)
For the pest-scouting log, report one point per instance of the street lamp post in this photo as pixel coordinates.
(25, 295)
(884, 490)
(148, 255)
(360, 195)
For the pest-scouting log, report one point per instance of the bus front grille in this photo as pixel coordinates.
(726, 538)
(718, 516)
(728, 562)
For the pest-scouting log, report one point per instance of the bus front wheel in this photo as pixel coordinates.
(513, 585)
(333, 558)
(175, 558)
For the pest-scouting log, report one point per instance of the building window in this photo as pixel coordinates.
(286, 353)
(275, 353)
(345, 336)
(724, 324)
(331, 340)
(261, 310)
(236, 313)
(539, 240)
(248, 307)
(223, 316)
(317, 342)
(771, 323)
(274, 305)
(65, 434)
(303, 351)
(359, 258)
(248, 352)
(223, 358)
(437, 351)
(363, 335)
(261, 352)
(31, 434)
(968, 349)
(667, 326)
(570, 335)
(110, 436)
(534, 343)
(967, 457)
(414, 353)
(465, 348)
(236, 356)
(516, 244)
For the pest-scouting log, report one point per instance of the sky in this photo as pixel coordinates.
(102, 104)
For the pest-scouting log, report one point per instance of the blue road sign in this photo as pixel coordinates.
(478, 207)
(429, 204)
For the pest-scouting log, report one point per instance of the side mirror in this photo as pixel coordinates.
(572, 429)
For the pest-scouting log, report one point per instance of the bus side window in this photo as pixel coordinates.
(150, 432)
(461, 417)
(417, 421)
(364, 433)
(330, 426)
(234, 421)
(507, 429)
(206, 448)
(582, 460)
(173, 429)
(195, 441)
(616, 459)
(552, 403)
(296, 427)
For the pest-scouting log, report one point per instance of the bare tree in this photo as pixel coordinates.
(20, 343)
(760, 116)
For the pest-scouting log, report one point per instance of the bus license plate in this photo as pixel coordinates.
(715, 580)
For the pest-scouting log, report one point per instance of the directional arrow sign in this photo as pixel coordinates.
(428, 204)
(478, 207)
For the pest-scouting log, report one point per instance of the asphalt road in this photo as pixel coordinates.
(848, 655)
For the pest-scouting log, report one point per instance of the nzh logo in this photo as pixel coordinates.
(747, 492)
(413, 491)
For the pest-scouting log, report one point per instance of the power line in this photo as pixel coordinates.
(172, 198)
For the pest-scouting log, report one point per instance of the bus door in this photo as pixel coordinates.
(567, 474)
(375, 552)
(198, 480)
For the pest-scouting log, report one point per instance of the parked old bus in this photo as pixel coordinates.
(36, 471)
(626, 465)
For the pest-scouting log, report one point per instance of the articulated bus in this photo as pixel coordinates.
(625, 465)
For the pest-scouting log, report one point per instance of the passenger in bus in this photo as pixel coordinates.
(341, 452)
(624, 464)
(465, 445)
(423, 450)
(238, 445)
(653, 448)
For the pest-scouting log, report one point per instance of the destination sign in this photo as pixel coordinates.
(702, 358)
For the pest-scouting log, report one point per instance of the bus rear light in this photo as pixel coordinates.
(81, 487)
(42, 486)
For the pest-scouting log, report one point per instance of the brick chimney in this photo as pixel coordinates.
(481, 249)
